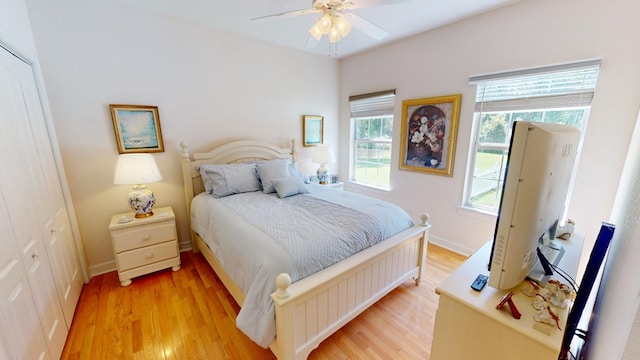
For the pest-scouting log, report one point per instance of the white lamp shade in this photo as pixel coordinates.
(323, 154)
(132, 169)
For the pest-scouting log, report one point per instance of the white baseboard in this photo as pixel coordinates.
(103, 268)
(449, 245)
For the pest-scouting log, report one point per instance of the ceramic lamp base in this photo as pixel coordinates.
(141, 201)
(323, 175)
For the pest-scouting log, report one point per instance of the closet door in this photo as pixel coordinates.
(18, 156)
(52, 211)
(20, 334)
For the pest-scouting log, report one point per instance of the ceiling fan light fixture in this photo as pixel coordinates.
(334, 35)
(335, 19)
(325, 23)
(315, 31)
(343, 25)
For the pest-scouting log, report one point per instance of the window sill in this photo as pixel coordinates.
(480, 214)
(366, 188)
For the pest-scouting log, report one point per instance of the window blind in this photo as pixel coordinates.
(565, 85)
(373, 104)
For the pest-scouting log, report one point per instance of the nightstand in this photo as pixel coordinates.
(339, 185)
(144, 245)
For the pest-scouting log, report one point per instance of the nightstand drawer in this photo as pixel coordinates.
(143, 235)
(147, 255)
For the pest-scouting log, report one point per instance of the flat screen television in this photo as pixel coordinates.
(581, 306)
(537, 179)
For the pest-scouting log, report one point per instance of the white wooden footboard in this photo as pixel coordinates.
(309, 311)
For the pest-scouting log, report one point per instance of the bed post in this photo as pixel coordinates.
(185, 159)
(293, 150)
(424, 222)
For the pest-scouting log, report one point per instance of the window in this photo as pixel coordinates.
(557, 94)
(371, 140)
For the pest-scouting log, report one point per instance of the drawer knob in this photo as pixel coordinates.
(34, 255)
(149, 255)
(146, 237)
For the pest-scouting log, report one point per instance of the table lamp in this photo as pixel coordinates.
(323, 154)
(138, 170)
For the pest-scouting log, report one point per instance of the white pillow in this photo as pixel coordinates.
(289, 186)
(271, 170)
(223, 180)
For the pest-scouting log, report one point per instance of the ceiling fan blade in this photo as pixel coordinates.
(287, 14)
(367, 27)
(368, 3)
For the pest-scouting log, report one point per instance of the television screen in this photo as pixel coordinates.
(590, 280)
(538, 175)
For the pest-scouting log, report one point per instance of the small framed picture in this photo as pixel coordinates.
(137, 128)
(312, 130)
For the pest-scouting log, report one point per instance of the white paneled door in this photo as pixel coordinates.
(35, 220)
(20, 334)
(52, 212)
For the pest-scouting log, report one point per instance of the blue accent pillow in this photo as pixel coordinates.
(289, 186)
(229, 179)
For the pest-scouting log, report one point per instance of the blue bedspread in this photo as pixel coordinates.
(257, 236)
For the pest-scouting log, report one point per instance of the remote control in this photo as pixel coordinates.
(479, 282)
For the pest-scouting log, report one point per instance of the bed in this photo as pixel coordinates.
(308, 310)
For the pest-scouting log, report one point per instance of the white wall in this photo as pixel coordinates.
(210, 87)
(15, 28)
(619, 296)
(525, 34)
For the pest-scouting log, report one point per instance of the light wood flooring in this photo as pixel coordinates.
(189, 315)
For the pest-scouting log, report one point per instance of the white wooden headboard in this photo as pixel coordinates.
(234, 152)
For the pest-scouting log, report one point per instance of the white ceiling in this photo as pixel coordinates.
(400, 18)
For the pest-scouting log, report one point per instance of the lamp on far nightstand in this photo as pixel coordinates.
(323, 154)
(138, 170)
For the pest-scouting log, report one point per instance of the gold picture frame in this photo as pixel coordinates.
(137, 128)
(312, 130)
(429, 132)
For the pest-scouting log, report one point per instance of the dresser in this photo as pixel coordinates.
(468, 325)
(144, 245)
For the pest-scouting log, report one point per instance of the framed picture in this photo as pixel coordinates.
(137, 128)
(429, 130)
(312, 130)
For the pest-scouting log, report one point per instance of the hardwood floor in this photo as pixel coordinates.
(189, 315)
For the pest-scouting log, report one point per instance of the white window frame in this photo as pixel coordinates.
(526, 91)
(378, 105)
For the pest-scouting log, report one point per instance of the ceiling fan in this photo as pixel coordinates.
(336, 19)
